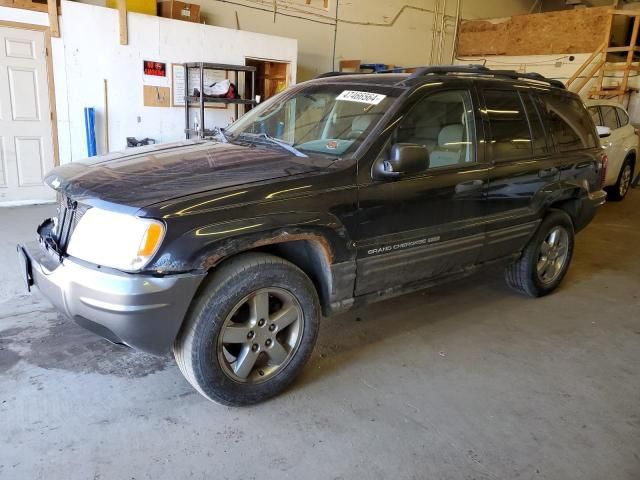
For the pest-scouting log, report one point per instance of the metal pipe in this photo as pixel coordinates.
(442, 38)
(454, 46)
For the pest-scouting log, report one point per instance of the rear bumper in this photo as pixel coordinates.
(142, 311)
(589, 208)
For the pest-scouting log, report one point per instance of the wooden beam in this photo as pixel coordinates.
(122, 22)
(54, 26)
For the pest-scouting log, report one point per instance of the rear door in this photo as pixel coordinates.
(523, 161)
(426, 224)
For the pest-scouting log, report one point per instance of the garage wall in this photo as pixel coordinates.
(89, 52)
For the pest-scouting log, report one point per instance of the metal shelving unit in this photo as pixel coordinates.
(199, 102)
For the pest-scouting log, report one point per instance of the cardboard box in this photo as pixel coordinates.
(189, 12)
(148, 7)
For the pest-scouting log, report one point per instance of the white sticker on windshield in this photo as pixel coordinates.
(361, 97)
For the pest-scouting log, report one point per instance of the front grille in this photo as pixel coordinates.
(69, 214)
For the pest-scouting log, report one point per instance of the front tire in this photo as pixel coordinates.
(618, 191)
(250, 330)
(546, 258)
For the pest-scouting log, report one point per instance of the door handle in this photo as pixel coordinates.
(548, 172)
(470, 186)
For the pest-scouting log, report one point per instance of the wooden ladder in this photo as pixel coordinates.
(596, 66)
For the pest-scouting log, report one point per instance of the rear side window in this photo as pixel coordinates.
(623, 118)
(510, 134)
(568, 123)
(609, 117)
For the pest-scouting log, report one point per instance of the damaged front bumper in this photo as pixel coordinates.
(142, 311)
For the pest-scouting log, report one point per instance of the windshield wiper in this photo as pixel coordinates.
(220, 132)
(280, 143)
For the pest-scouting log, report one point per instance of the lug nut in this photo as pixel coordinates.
(261, 322)
(254, 347)
(250, 335)
(268, 342)
(272, 327)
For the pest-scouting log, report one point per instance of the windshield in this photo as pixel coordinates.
(319, 119)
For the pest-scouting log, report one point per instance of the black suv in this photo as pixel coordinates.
(340, 191)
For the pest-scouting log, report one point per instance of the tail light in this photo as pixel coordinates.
(604, 163)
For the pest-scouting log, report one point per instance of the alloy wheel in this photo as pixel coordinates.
(553, 255)
(260, 336)
(625, 180)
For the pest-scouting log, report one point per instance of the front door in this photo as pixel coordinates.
(429, 223)
(26, 148)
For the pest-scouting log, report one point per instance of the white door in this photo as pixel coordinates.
(26, 147)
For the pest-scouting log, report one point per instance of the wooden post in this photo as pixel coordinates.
(632, 50)
(106, 117)
(54, 26)
(122, 20)
(607, 40)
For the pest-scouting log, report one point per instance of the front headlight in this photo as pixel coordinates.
(115, 240)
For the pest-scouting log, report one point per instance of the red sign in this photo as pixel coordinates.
(156, 69)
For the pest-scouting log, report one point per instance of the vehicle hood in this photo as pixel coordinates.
(143, 176)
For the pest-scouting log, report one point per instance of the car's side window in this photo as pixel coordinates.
(622, 117)
(595, 115)
(609, 117)
(510, 133)
(568, 123)
(443, 123)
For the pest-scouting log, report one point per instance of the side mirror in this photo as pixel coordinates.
(404, 159)
(603, 132)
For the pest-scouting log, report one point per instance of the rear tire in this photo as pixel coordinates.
(618, 191)
(543, 263)
(249, 331)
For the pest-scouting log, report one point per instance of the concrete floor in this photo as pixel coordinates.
(466, 381)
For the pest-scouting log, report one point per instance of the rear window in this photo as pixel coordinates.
(569, 123)
(510, 134)
(623, 118)
(609, 117)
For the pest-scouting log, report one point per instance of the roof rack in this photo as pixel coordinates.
(482, 70)
(338, 74)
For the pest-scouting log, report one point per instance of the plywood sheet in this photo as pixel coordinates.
(568, 31)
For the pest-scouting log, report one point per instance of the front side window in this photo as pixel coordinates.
(568, 123)
(510, 133)
(595, 115)
(329, 119)
(443, 123)
(609, 117)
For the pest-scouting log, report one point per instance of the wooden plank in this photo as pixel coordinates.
(54, 26)
(122, 22)
(25, 5)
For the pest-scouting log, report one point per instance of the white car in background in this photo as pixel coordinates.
(620, 140)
